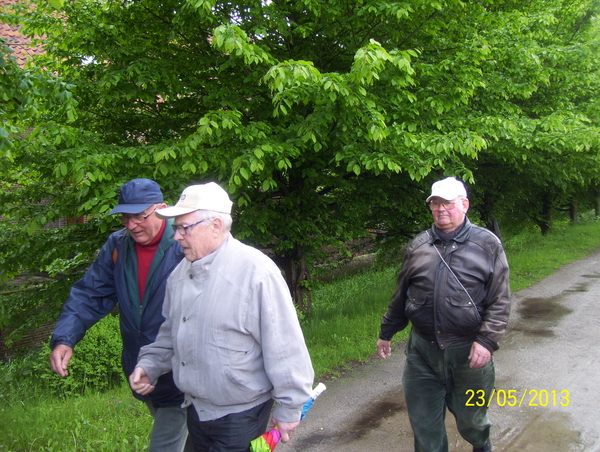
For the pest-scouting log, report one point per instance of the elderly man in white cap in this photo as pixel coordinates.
(453, 288)
(231, 335)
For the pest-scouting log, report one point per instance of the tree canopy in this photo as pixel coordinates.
(324, 120)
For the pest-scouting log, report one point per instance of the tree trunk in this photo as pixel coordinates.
(486, 211)
(544, 219)
(297, 276)
(573, 212)
(492, 224)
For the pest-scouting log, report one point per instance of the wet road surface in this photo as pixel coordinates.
(547, 381)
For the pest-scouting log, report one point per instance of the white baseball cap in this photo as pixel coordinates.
(448, 189)
(208, 196)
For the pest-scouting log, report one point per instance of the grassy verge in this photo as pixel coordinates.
(341, 331)
(344, 325)
(110, 421)
(532, 257)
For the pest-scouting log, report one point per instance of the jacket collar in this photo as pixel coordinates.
(463, 233)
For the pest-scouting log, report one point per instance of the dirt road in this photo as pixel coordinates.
(549, 361)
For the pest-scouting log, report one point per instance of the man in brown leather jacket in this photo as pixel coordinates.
(454, 289)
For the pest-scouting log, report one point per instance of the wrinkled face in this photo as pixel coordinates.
(448, 215)
(144, 230)
(201, 238)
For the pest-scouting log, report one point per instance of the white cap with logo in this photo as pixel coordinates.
(208, 196)
(448, 189)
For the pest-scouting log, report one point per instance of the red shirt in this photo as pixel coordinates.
(145, 255)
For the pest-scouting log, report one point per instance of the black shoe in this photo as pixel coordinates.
(486, 448)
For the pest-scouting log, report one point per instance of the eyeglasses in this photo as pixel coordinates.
(137, 219)
(437, 205)
(183, 230)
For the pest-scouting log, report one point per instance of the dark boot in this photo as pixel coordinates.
(486, 448)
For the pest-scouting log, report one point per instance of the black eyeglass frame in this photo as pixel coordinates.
(183, 230)
(136, 218)
(448, 205)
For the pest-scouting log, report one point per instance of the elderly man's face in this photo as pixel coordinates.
(144, 226)
(198, 240)
(448, 215)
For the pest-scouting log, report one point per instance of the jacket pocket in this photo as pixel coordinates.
(232, 361)
(419, 310)
(240, 374)
(417, 299)
(461, 316)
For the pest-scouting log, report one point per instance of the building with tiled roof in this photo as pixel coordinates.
(21, 45)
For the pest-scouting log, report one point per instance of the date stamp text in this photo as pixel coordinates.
(514, 397)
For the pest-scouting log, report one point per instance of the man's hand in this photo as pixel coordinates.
(384, 349)
(479, 356)
(285, 428)
(59, 359)
(140, 382)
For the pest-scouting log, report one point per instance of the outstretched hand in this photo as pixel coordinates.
(59, 359)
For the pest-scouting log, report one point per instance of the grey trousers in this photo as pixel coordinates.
(169, 432)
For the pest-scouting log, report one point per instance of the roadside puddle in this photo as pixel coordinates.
(546, 432)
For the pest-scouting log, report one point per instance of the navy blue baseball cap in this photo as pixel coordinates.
(137, 195)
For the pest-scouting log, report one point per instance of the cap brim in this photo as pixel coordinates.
(440, 196)
(173, 211)
(130, 208)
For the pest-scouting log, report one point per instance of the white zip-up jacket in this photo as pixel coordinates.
(231, 336)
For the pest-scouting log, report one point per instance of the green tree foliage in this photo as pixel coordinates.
(95, 367)
(539, 114)
(322, 119)
(54, 260)
(21, 94)
(13, 88)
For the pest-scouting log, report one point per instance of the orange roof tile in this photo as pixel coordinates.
(21, 45)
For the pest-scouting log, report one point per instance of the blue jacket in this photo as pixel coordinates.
(105, 284)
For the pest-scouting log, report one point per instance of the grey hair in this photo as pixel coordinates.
(208, 214)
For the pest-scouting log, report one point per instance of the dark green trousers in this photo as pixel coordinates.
(437, 379)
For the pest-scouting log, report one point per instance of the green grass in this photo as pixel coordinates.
(344, 325)
(340, 332)
(109, 421)
(532, 257)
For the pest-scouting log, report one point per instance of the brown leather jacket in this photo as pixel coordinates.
(471, 304)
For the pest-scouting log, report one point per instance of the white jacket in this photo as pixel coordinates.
(231, 336)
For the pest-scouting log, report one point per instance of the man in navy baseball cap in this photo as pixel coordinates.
(137, 195)
(131, 269)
